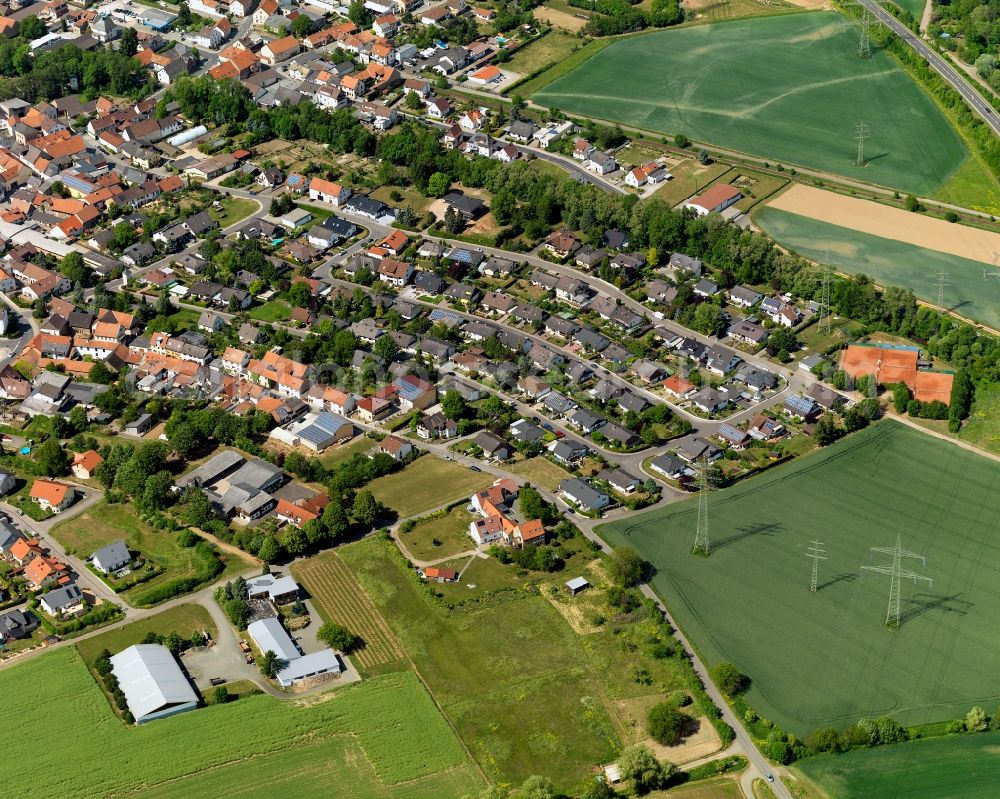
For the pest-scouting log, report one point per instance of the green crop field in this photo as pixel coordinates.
(382, 739)
(786, 87)
(827, 658)
(959, 767)
(889, 262)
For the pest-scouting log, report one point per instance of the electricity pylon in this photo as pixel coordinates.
(896, 572)
(816, 552)
(701, 541)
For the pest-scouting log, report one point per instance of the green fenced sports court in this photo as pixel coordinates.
(790, 88)
(827, 658)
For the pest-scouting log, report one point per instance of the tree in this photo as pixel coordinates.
(50, 458)
(183, 15)
(156, 493)
(365, 508)
(99, 372)
(269, 550)
(293, 540)
(359, 15)
(598, 789)
(299, 295)
(338, 637)
(666, 723)
(782, 339)
(986, 65)
(627, 568)
(680, 140)
(532, 504)
(184, 438)
(386, 347)
(975, 720)
(707, 319)
(269, 663)
(536, 787)
(221, 693)
(73, 268)
(412, 101)
(129, 42)
(301, 26)
(826, 430)
(900, 397)
(639, 764)
(453, 405)
(438, 184)
(731, 680)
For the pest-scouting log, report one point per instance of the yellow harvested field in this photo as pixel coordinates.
(876, 219)
(559, 19)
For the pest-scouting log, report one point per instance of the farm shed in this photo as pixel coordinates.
(153, 683)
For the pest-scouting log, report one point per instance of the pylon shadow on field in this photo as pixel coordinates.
(749, 531)
(922, 604)
(846, 577)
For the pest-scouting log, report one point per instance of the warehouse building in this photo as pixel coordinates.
(153, 683)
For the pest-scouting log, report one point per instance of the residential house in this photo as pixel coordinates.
(52, 495)
(583, 495)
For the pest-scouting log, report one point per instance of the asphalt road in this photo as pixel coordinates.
(937, 63)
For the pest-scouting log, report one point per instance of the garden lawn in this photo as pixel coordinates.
(541, 472)
(959, 767)
(785, 87)
(510, 676)
(343, 452)
(272, 311)
(382, 739)
(451, 531)
(749, 602)
(890, 262)
(428, 482)
(233, 210)
(104, 523)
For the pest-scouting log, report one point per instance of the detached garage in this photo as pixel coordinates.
(153, 683)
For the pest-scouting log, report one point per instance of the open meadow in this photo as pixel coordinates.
(783, 87)
(890, 262)
(508, 676)
(959, 767)
(382, 739)
(425, 484)
(827, 658)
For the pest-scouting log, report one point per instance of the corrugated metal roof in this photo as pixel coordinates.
(269, 635)
(151, 679)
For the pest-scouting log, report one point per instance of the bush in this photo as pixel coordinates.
(730, 680)
(221, 695)
(338, 637)
(187, 539)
